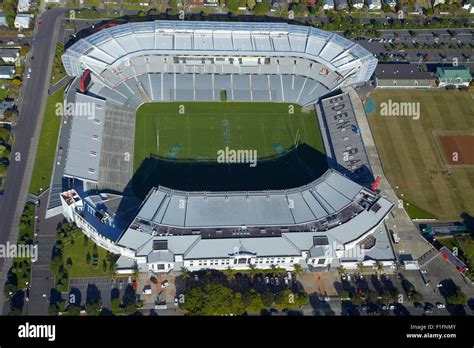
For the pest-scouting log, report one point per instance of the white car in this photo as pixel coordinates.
(165, 284)
(175, 301)
(440, 305)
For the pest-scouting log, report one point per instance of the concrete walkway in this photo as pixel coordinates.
(42, 280)
(411, 241)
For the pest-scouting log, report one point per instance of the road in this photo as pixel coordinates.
(27, 133)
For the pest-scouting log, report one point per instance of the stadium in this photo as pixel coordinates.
(324, 222)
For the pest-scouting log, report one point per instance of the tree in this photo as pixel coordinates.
(251, 4)
(372, 296)
(73, 310)
(16, 82)
(379, 266)
(262, 7)
(232, 5)
(86, 241)
(213, 299)
(360, 267)
(88, 258)
(230, 273)
(356, 300)
(341, 270)
(69, 262)
(298, 269)
(343, 294)
(457, 297)
(93, 308)
(255, 302)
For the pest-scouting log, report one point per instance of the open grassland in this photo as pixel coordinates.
(411, 153)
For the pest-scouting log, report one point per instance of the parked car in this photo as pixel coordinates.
(196, 277)
(176, 301)
(153, 280)
(440, 305)
(277, 281)
(165, 284)
(286, 280)
(267, 280)
(418, 305)
(147, 290)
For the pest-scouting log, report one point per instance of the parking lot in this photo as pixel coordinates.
(156, 289)
(85, 289)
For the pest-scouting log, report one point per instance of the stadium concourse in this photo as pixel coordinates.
(328, 222)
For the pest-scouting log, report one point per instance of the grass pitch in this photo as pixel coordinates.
(412, 156)
(197, 131)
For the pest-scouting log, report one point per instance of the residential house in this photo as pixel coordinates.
(358, 4)
(374, 4)
(9, 55)
(22, 21)
(6, 105)
(3, 20)
(7, 72)
(23, 5)
(341, 5)
(328, 5)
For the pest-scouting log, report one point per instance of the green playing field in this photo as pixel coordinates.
(412, 156)
(197, 131)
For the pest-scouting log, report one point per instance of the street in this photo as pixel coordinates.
(27, 133)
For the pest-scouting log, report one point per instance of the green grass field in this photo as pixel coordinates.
(44, 161)
(204, 128)
(412, 158)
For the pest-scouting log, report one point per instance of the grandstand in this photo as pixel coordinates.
(316, 225)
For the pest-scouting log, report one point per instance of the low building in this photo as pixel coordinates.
(6, 105)
(22, 21)
(23, 5)
(468, 5)
(3, 20)
(438, 2)
(358, 4)
(328, 5)
(453, 76)
(402, 76)
(9, 55)
(341, 5)
(374, 4)
(7, 72)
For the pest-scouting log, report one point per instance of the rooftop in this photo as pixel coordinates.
(401, 72)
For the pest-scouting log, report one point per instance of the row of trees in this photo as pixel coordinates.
(19, 275)
(216, 299)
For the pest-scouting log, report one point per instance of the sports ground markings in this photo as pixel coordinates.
(204, 141)
(410, 153)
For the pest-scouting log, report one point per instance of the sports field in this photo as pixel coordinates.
(412, 154)
(197, 131)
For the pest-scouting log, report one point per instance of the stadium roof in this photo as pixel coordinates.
(105, 48)
(199, 245)
(85, 143)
